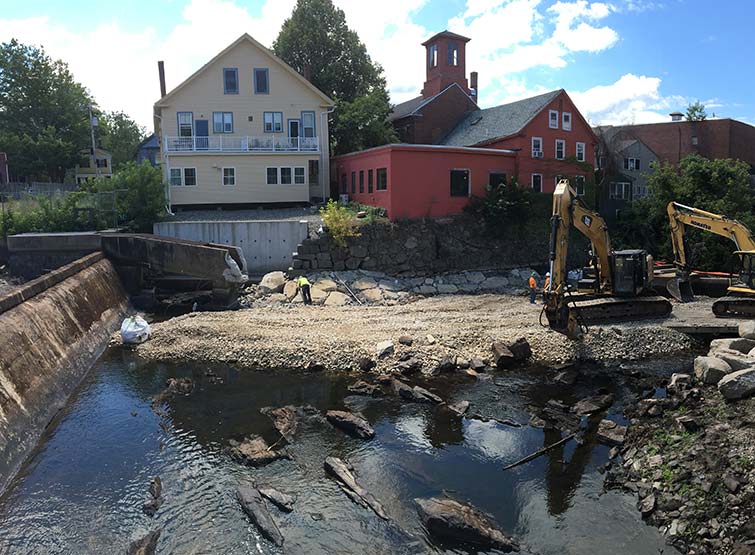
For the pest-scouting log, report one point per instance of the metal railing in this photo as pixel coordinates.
(230, 143)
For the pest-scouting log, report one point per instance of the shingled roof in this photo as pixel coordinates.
(481, 126)
(409, 107)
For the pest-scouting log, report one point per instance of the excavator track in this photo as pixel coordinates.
(594, 309)
(734, 307)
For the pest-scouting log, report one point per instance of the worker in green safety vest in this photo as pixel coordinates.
(304, 285)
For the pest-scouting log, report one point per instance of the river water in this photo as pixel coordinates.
(82, 489)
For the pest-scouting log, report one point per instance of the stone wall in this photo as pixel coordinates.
(427, 247)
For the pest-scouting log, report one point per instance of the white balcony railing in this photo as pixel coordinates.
(230, 143)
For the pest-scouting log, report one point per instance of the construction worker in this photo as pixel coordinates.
(547, 284)
(533, 288)
(303, 284)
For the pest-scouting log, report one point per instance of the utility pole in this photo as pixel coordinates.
(92, 124)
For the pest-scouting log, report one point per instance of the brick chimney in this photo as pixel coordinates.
(161, 73)
(444, 62)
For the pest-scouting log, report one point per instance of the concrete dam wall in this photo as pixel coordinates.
(51, 332)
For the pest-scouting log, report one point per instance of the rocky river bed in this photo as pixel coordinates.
(189, 457)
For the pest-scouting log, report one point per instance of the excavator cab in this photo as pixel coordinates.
(746, 269)
(630, 277)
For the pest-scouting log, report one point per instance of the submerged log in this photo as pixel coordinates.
(341, 472)
(541, 452)
(254, 507)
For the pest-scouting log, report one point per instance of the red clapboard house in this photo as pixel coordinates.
(459, 148)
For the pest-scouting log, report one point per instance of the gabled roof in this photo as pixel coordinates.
(410, 107)
(446, 34)
(149, 142)
(246, 37)
(487, 125)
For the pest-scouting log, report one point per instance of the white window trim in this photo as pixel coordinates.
(277, 175)
(584, 151)
(222, 176)
(180, 177)
(550, 119)
(469, 180)
(540, 139)
(532, 181)
(563, 150)
(632, 164)
(280, 175)
(183, 176)
(566, 126)
(625, 186)
(304, 171)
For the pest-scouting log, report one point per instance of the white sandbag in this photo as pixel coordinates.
(135, 329)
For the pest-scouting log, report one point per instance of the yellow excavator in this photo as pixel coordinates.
(615, 287)
(741, 298)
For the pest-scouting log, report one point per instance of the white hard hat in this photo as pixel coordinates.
(547, 274)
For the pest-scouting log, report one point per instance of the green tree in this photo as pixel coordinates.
(43, 113)
(317, 43)
(696, 112)
(120, 135)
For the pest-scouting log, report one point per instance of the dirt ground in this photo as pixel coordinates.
(295, 336)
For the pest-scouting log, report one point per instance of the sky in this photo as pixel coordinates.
(621, 61)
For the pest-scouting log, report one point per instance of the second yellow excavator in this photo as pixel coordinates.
(617, 284)
(741, 298)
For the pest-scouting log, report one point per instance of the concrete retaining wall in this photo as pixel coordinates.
(47, 343)
(33, 254)
(267, 245)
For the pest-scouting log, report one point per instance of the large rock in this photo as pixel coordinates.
(281, 500)
(251, 502)
(502, 355)
(735, 359)
(520, 349)
(273, 282)
(290, 289)
(495, 283)
(145, 545)
(611, 433)
(747, 329)
(449, 520)
(350, 423)
(373, 295)
(255, 452)
(739, 344)
(593, 404)
(336, 298)
(415, 394)
(385, 348)
(738, 385)
(361, 387)
(346, 479)
(364, 283)
(326, 284)
(710, 370)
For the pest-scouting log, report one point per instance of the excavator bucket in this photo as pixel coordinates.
(681, 290)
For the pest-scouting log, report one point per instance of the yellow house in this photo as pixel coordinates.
(99, 165)
(245, 128)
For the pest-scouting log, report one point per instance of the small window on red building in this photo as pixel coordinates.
(497, 179)
(361, 181)
(453, 54)
(369, 181)
(344, 184)
(353, 183)
(432, 55)
(382, 179)
(537, 182)
(459, 183)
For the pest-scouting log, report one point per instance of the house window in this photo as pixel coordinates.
(537, 182)
(229, 176)
(273, 122)
(560, 149)
(639, 190)
(272, 176)
(496, 179)
(382, 179)
(432, 54)
(619, 190)
(299, 178)
(101, 162)
(175, 177)
(261, 81)
(185, 124)
(632, 164)
(694, 141)
(353, 183)
(230, 80)
(190, 177)
(537, 147)
(579, 182)
(566, 121)
(222, 122)
(459, 183)
(553, 119)
(285, 176)
(308, 124)
(581, 152)
(344, 184)
(369, 181)
(361, 181)
(453, 54)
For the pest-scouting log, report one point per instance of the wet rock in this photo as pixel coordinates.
(146, 545)
(342, 472)
(151, 506)
(255, 452)
(459, 408)
(593, 404)
(409, 366)
(350, 423)
(406, 340)
(156, 487)
(363, 388)
(180, 386)
(281, 500)
(415, 394)
(611, 433)
(502, 357)
(423, 395)
(449, 520)
(520, 349)
(710, 370)
(738, 385)
(155, 491)
(557, 415)
(477, 364)
(446, 364)
(747, 329)
(273, 282)
(251, 502)
(366, 364)
(284, 419)
(385, 348)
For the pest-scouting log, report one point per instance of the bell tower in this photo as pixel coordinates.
(445, 59)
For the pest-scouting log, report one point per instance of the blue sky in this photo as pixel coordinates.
(622, 61)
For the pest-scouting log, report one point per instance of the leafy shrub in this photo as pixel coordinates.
(503, 206)
(340, 221)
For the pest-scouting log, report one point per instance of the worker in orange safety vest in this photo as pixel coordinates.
(533, 288)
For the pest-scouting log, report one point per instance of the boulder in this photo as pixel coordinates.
(477, 364)
(735, 359)
(336, 298)
(273, 282)
(738, 385)
(502, 356)
(251, 502)
(318, 294)
(255, 452)
(446, 364)
(281, 500)
(593, 404)
(449, 520)
(385, 348)
(366, 364)
(494, 283)
(290, 289)
(151, 506)
(611, 433)
(363, 388)
(747, 329)
(520, 349)
(350, 423)
(364, 283)
(372, 295)
(423, 395)
(146, 545)
(326, 285)
(415, 394)
(409, 366)
(343, 473)
(459, 408)
(406, 340)
(739, 344)
(284, 419)
(710, 370)
(447, 288)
